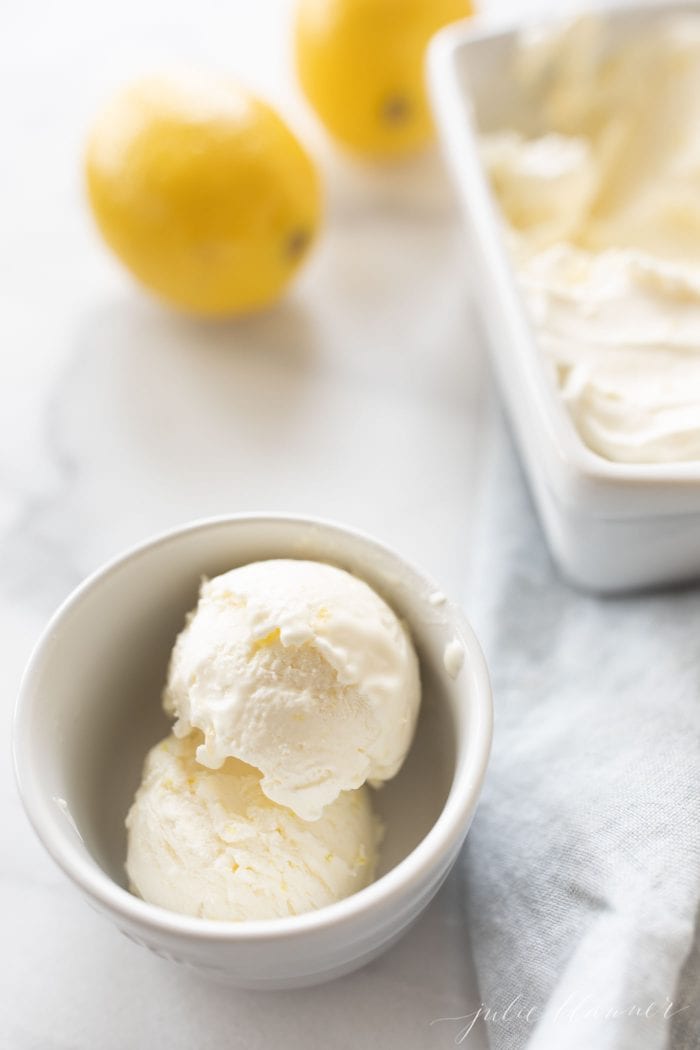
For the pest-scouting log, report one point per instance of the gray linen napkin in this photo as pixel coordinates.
(583, 864)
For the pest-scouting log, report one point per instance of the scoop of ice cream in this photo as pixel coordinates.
(301, 670)
(209, 843)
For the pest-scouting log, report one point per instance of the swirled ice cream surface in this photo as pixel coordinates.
(601, 196)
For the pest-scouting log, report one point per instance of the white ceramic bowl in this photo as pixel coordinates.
(89, 709)
(610, 526)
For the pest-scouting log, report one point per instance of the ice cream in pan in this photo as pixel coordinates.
(600, 195)
(293, 685)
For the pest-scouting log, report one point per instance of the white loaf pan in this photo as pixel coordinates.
(611, 526)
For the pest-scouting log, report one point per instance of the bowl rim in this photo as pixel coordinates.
(429, 859)
(557, 436)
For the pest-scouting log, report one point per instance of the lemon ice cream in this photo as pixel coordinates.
(209, 843)
(302, 671)
(601, 192)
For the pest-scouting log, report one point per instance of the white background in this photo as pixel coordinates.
(357, 398)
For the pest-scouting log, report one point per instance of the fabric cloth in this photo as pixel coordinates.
(583, 863)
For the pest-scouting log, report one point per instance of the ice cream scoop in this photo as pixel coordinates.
(299, 669)
(209, 843)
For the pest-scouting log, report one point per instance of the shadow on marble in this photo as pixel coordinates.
(397, 1000)
(79, 984)
(150, 401)
(414, 188)
(163, 361)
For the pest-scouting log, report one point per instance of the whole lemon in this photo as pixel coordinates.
(203, 192)
(360, 63)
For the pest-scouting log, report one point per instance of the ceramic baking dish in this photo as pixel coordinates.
(610, 526)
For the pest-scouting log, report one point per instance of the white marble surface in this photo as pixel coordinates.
(357, 398)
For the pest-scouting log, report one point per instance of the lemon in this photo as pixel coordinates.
(203, 192)
(360, 63)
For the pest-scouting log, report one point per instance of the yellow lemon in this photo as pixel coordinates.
(203, 192)
(360, 63)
